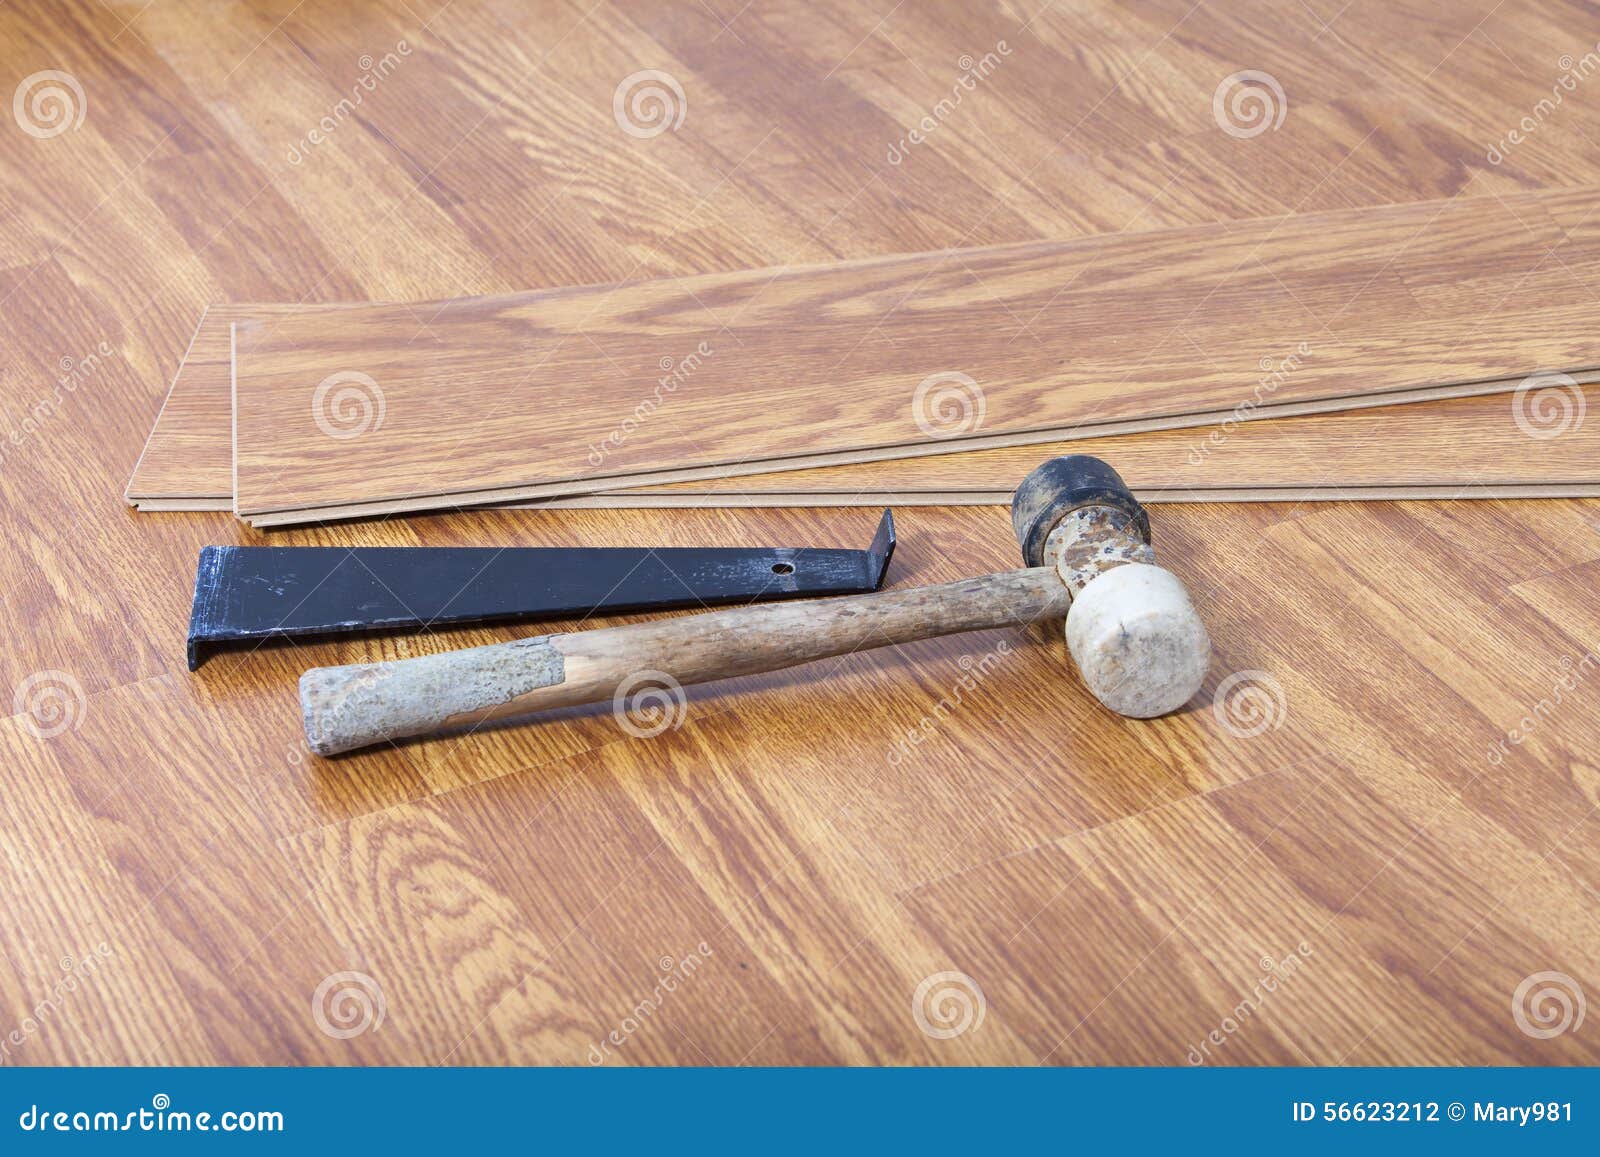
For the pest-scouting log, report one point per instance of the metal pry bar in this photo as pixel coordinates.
(253, 593)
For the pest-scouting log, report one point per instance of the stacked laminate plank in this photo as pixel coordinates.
(1206, 362)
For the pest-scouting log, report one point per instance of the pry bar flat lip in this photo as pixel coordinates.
(246, 594)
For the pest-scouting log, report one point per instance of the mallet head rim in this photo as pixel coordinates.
(1056, 488)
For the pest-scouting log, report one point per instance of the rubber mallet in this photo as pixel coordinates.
(1131, 628)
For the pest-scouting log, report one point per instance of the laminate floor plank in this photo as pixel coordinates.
(530, 433)
(1535, 435)
(510, 894)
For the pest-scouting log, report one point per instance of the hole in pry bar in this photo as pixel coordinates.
(783, 568)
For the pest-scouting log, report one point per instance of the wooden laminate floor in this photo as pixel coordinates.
(516, 396)
(1370, 839)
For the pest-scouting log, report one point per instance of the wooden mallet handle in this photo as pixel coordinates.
(1132, 631)
(355, 706)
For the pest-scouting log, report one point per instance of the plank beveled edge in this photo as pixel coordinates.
(132, 493)
(507, 495)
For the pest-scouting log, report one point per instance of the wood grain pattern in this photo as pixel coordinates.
(1539, 437)
(189, 454)
(1112, 888)
(534, 395)
(1534, 438)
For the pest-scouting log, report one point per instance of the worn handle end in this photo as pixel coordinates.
(344, 708)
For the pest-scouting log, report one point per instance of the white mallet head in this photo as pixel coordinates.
(1133, 632)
